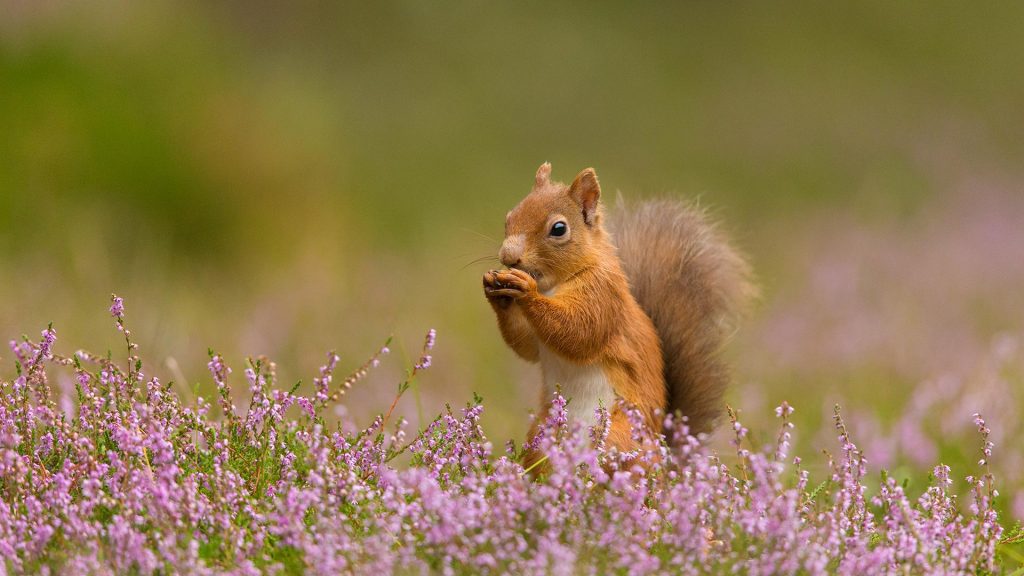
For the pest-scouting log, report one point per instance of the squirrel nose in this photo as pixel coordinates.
(508, 258)
(511, 252)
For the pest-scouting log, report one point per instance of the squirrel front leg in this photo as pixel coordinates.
(568, 326)
(512, 323)
(577, 322)
(569, 323)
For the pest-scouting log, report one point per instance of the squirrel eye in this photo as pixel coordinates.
(559, 229)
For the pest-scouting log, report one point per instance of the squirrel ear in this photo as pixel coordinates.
(543, 174)
(586, 192)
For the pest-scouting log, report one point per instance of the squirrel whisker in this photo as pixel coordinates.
(484, 236)
(479, 260)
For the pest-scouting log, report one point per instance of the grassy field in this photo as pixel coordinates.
(286, 181)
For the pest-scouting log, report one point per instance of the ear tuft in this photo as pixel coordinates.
(586, 191)
(543, 174)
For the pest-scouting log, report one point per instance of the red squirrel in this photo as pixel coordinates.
(636, 308)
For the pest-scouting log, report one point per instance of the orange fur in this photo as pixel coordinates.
(566, 302)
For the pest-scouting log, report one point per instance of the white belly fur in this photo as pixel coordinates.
(587, 387)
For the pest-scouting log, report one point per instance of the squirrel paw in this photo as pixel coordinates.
(492, 290)
(503, 286)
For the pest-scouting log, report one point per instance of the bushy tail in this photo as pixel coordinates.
(695, 287)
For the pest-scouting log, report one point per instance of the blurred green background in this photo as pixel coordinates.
(275, 179)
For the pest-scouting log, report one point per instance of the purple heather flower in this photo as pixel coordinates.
(306, 404)
(426, 359)
(46, 346)
(424, 362)
(117, 307)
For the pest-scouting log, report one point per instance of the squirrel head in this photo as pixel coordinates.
(556, 231)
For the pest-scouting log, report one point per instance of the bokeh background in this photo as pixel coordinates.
(261, 178)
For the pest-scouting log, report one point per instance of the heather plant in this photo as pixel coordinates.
(913, 325)
(125, 476)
